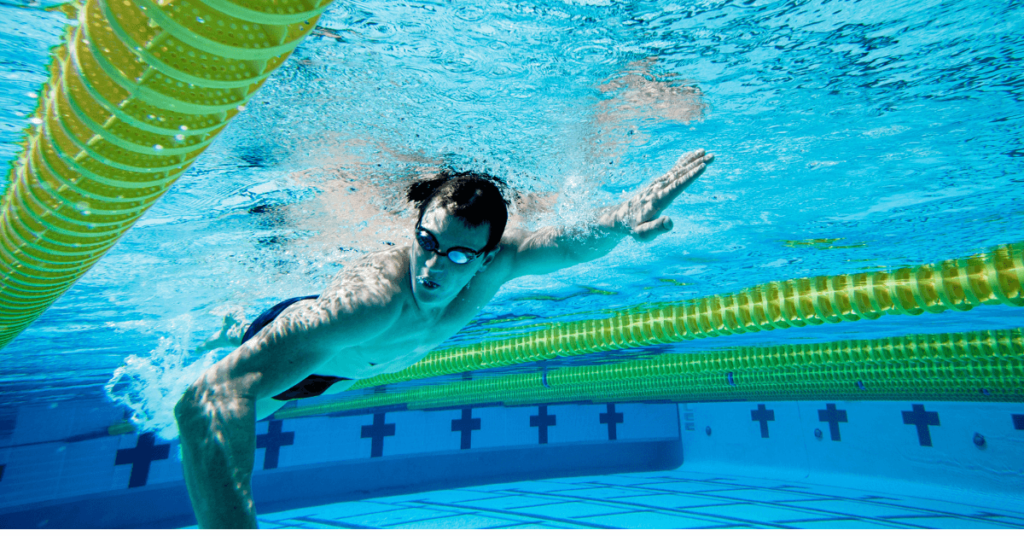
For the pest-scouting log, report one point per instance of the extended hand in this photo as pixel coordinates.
(641, 215)
(230, 334)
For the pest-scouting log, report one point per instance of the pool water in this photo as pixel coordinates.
(850, 137)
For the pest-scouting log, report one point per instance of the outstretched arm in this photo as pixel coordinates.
(217, 414)
(552, 248)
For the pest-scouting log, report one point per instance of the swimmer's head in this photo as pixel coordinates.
(472, 197)
(462, 218)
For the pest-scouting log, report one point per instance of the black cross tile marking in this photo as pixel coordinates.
(377, 431)
(541, 421)
(922, 419)
(611, 419)
(763, 416)
(146, 451)
(273, 440)
(2, 467)
(466, 425)
(833, 418)
(1018, 422)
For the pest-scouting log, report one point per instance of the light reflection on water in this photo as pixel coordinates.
(850, 136)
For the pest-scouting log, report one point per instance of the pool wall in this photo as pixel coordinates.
(926, 449)
(62, 469)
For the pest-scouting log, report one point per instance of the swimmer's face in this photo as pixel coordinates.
(436, 280)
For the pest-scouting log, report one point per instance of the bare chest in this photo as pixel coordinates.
(409, 339)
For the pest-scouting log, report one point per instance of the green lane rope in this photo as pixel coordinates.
(953, 285)
(137, 91)
(972, 366)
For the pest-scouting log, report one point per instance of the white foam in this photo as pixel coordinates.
(151, 385)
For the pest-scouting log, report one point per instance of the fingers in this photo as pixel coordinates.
(678, 180)
(652, 200)
(646, 232)
(684, 169)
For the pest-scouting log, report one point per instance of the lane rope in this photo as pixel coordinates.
(993, 278)
(137, 91)
(974, 366)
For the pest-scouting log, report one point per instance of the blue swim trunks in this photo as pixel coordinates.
(313, 385)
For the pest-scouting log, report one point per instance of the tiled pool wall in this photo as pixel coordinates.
(59, 467)
(917, 448)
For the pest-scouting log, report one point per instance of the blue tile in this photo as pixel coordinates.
(306, 524)
(833, 524)
(672, 500)
(856, 508)
(547, 486)
(525, 525)
(497, 488)
(755, 513)
(951, 523)
(601, 492)
(629, 479)
(763, 495)
(926, 506)
(264, 524)
(652, 520)
(555, 525)
(572, 509)
(394, 517)
(689, 487)
(510, 501)
(339, 510)
(451, 496)
(454, 522)
(1016, 521)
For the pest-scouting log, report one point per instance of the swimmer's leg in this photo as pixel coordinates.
(267, 406)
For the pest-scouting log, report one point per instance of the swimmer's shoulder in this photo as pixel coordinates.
(512, 240)
(377, 280)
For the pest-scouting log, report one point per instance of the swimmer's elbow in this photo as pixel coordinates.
(187, 407)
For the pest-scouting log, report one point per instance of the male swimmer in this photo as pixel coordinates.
(381, 315)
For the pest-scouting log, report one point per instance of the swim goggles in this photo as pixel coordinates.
(457, 255)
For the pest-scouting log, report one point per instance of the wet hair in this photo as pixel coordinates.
(470, 196)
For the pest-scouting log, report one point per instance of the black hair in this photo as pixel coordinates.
(470, 196)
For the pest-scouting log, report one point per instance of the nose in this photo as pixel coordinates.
(433, 262)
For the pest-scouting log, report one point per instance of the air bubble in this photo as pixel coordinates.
(200, 20)
(36, 121)
(183, 127)
(33, 94)
(241, 107)
(180, 137)
(158, 147)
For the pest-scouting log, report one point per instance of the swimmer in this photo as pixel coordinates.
(381, 315)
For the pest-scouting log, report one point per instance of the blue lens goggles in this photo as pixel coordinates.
(457, 255)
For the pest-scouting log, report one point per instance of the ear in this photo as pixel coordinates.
(489, 258)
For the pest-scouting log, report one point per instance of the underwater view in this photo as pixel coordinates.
(822, 331)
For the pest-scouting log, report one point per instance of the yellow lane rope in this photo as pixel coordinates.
(971, 366)
(137, 91)
(992, 278)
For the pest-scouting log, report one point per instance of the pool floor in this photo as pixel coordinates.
(659, 500)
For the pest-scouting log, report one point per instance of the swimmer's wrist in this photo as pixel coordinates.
(236, 332)
(613, 220)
